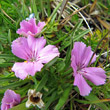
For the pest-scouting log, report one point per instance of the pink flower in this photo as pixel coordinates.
(10, 100)
(80, 58)
(33, 51)
(30, 27)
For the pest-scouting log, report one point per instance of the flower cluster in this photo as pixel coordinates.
(31, 49)
(36, 53)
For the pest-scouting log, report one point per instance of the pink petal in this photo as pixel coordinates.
(4, 107)
(40, 26)
(30, 27)
(82, 54)
(36, 44)
(33, 67)
(73, 65)
(95, 75)
(33, 29)
(14, 103)
(48, 53)
(22, 70)
(24, 28)
(27, 27)
(9, 96)
(84, 88)
(20, 48)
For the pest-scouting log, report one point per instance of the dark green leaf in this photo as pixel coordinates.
(63, 98)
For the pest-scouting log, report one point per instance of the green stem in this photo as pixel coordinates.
(35, 81)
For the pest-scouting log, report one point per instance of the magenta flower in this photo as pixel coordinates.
(30, 27)
(33, 51)
(80, 58)
(10, 100)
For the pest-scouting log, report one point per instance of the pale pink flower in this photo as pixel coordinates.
(80, 58)
(34, 53)
(10, 100)
(30, 27)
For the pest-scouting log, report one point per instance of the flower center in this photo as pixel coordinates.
(34, 99)
(82, 72)
(32, 59)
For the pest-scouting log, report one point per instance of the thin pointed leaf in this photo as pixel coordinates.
(50, 63)
(15, 84)
(63, 98)
(42, 82)
(9, 36)
(20, 107)
(52, 98)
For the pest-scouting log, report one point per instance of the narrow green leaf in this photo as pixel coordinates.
(82, 101)
(77, 37)
(7, 56)
(62, 8)
(6, 64)
(52, 98)
(18, 12)
(19, 107)
(42, 82)
(67, 72)
(55, 10)
(102, 5)
(50, 63)
(93, 97)
(34, 7)
(48, 7)
(15, 84)
(24, 9)
(60, 66)
(1, 47)
(8, 21)
(72, 34)
(53, 18)
(92, 102)
(9, 36)
(68, 56)
(78, 25)
(7, 79)
(62, 38)
(63, 98)
(42, 8)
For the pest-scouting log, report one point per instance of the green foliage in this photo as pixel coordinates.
(55, 80)
(19, 107)
(63, 98)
